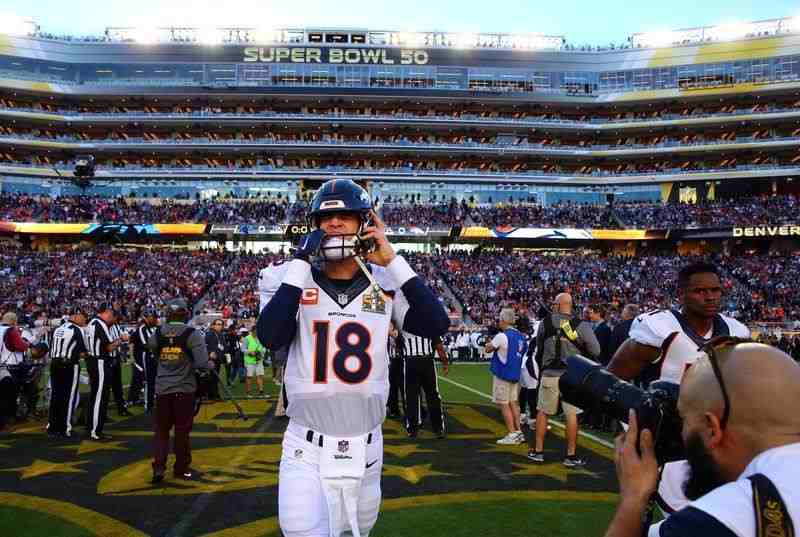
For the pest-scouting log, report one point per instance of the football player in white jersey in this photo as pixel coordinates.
(336, 321)
(663, 344)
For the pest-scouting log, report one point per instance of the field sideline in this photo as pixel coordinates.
(464, 485)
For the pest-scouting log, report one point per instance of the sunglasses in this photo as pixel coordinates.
(712, 349)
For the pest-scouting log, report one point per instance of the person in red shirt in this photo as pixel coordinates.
(12, 349)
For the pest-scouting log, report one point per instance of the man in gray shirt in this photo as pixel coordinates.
(180, 351)
(560, 335)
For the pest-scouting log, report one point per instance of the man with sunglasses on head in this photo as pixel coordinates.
(663, 345)
(742, 439)
(336, 318)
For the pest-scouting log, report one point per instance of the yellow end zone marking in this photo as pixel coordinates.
(268, 526)
(92, 521)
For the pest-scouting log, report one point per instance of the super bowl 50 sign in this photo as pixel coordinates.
(380, 56)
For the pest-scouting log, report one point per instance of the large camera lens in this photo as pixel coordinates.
(588, 385)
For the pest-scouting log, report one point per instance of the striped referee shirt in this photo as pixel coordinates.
(99, 335)
(68, 343)
(417, 347)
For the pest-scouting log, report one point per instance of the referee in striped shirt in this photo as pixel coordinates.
(67, 348)
(101, 348)
(419, 371)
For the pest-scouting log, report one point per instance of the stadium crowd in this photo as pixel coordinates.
(53, 282)
(25, 208)
(455, 111)
(757, 288)
(773, 210)
(273, 210)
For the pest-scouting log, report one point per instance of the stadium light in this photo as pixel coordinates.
(793, 24)
(730, 31)
(466, 40)
(11, 24)
(411, 39)
(209, 36)
(145, 35)
(267, 35)
(663, 38)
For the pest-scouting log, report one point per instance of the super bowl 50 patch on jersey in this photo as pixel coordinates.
(373, 302)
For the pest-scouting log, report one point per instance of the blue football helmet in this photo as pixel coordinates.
(341, 196)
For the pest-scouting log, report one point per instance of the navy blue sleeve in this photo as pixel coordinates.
(690, 522)
(426, 317)
(277, 323)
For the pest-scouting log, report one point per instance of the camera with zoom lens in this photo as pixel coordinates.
(587, 384)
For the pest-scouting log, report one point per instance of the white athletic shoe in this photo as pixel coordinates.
(520, 436)
(509, 439)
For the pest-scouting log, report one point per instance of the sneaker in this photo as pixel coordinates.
(536, 456)
(509, 439)
(411, 434)
(520, 437)
(441, 435)
(99, 437)
(188, 475)
(573, 461)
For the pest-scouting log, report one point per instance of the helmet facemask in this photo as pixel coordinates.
(345, 245)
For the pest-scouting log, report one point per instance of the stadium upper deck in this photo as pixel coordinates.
(168, 60)
(475, 112)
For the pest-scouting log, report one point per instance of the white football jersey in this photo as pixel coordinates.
(337, 371)
(679, 350)
(677, 341)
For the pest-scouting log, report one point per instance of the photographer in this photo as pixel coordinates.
(508, 347)
(560, 335)
(742, 445)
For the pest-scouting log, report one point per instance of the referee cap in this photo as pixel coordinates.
(105, 306)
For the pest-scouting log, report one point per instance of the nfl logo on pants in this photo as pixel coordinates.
(344, 445)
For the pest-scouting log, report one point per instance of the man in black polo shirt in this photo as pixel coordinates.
(419, 371)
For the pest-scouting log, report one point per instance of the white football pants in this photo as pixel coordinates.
(303, 509)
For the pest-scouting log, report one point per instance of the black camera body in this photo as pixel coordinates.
(586, 384)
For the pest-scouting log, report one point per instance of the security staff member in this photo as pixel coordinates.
(101, 347)
(68, 347)
(419, 371)
(144, 363)
(118, 355)
(180, 351)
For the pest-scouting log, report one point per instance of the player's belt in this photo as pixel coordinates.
(319, 439)
(313, 437)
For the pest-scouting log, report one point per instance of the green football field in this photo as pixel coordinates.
(463, 485)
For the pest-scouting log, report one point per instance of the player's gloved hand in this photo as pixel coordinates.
(309, 245)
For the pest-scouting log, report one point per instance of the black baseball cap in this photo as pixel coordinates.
(106, 306)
